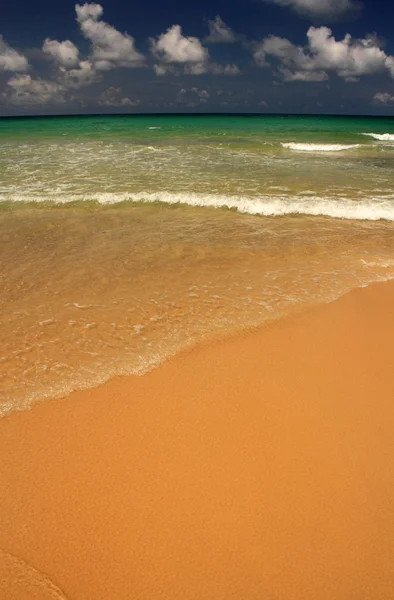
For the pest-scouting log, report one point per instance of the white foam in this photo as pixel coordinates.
(383, 137)
(371, 209)
(26, 580)
(319, 147)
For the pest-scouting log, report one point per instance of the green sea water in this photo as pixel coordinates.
(118, 248)
(335, 129)
(256, 164)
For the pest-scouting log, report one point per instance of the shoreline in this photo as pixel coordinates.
(255, 467)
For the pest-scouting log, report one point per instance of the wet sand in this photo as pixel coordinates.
(260, 467)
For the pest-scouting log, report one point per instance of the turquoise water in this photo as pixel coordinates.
(276, 127)
(261, 165)
(118, 248)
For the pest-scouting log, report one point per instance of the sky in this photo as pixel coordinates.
(154, 56)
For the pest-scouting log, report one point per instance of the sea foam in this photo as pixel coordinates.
(371, 209)
(383, 137)
(319, 147)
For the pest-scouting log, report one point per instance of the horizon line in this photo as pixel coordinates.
(196, 114)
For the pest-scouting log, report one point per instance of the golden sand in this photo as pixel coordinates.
(258, 468)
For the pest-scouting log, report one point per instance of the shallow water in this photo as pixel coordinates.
(118, 248)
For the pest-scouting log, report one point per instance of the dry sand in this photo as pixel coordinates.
(258, 468)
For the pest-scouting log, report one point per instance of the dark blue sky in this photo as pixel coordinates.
(152, 56)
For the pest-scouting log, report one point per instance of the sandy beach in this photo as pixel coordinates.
(260, 467)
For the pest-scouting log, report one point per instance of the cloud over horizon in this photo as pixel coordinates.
(173, 47)
(348, 58)
(64, 53)
(110, 47)
(322, 10)
(383, 98)
(90, 71)
(26, 91)
(10, 59)
(220, 33)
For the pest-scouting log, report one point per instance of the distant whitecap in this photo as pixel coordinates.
(319, 147)
(383, 137)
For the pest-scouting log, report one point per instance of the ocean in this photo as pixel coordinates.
(126, 239)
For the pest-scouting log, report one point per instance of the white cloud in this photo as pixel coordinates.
(73, 73)
(196, 68)
(173, 47)
(113, 96)
(322, 10)
(23, 90)
(260, 54)
(110, 47)
(64, 53)
(164, 70)
(383, 98)
(220, 33)
(192, 97)
(129, 102)
(348, 58)
(85, 74)
(390, 65)
(207, 67)
(89, 11)
(175, 50)
(10, 59)
(303, 75)
(229, 69)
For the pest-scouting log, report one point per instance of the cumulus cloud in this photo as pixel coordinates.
(383, 98)
(192, 97)
(84, 75)
(229, 69)
(390, 65)
(180, 54)
(64, 53)
(113, 96)
(348, 58)
(215, 68)
(165, 70)
(220, 33)
(26, 91)
(110, 47)
(196, 68)
(10, 59)
(322, 10)
(312, 76)
(89, 11)
(173, 47)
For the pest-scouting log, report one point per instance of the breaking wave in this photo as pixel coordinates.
(383, 137)
(319, 147)
(371, 209)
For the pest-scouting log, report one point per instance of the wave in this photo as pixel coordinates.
(27, 582)
(383, 137)
(319, 147)
(373, 209)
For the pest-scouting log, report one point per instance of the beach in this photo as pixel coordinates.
(196, 391)
(127, 239)
(258, 466)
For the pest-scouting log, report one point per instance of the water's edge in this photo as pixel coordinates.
(210, 339)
